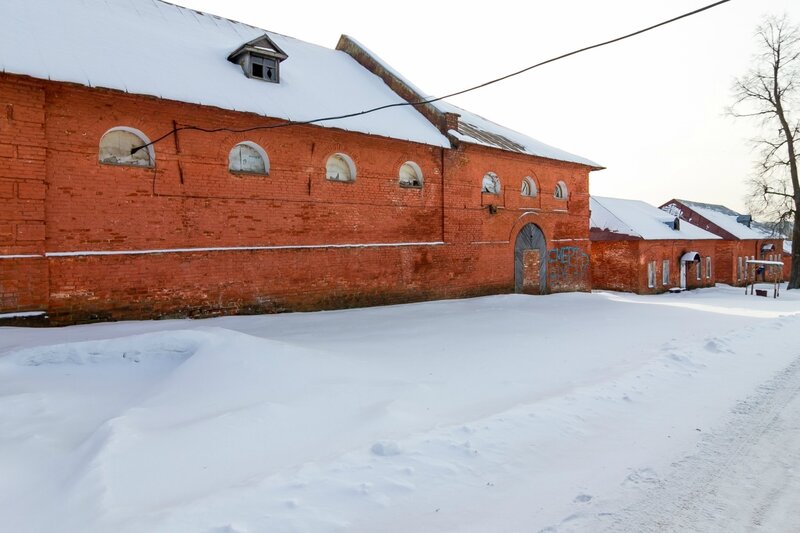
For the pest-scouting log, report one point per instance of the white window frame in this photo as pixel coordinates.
(561, 192)
(255, 147)
(708, 267)
(410, 175)
(530, 184)
(130, 160)
(651, 274)
(338, 159)
(665, 272)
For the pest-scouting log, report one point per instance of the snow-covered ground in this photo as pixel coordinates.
(571, 412)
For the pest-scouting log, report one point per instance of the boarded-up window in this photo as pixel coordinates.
(119, 147)
(651, 274)
(665, 272)
(248, 157)
(490, 183)
(340, 167)
(528, 187)
(410, 175)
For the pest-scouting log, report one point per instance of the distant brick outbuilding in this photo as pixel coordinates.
(638, 248)
(739, 241)
(226, 216)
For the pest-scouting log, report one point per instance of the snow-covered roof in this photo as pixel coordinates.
(155, 48)
(720, 215)
(640, 220)
(475, 129)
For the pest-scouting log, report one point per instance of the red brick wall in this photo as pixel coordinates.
(623, 265)
(747, 249)
(23, 269)
(201, 283)
(565, 223)
(615, 265)
(191, 200)
(673, 251)
(727, 261)
(787, 265)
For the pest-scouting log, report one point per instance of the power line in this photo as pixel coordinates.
(436, 99)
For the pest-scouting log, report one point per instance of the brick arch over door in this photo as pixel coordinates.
(530, 260)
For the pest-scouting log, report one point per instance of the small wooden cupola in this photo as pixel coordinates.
(260, 59)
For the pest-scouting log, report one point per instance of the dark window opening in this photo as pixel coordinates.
(264, 68)
(258, 70)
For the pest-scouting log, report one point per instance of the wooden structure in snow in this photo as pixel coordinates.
(753, 266)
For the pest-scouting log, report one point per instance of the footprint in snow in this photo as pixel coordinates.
(716, 346)
(646, 476)
(386, 448)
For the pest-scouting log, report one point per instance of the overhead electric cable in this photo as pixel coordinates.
(436, 99)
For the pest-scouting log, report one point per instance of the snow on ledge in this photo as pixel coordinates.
(237, 249)
(22, 314)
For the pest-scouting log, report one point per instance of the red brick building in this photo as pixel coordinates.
(739, 241)
(638, 248)
(786, 257)
(236, 212)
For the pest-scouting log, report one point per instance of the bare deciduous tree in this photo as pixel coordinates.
(770, 93)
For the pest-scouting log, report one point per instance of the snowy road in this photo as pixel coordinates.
(669, 413)
(744, 477)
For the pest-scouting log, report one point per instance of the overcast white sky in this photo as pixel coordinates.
(651, 109)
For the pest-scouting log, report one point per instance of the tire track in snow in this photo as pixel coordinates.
(741, 478)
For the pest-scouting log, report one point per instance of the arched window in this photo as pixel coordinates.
(340, 167)
(528, 187)
(561, 191)
(117, 144)
(248, 157)
(410, 175)
(491, 183)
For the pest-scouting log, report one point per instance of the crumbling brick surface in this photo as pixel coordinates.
(315, 237)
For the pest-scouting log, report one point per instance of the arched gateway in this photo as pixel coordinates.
(530, 261)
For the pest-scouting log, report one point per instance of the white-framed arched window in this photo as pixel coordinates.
(490, 183)
(561, 191)
(340, 167)
(528, 187)
(248, 157)
(118, 146)
(410, 175)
